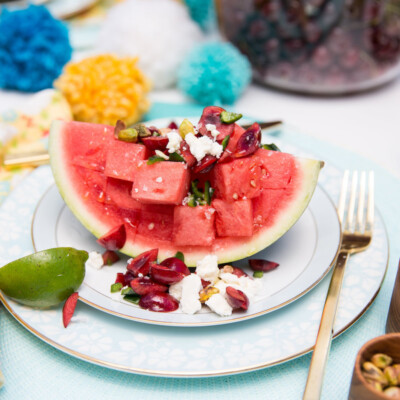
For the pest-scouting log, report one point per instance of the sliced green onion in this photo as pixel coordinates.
(116, 287)
(229, 117)
(154, 159)
(258, 274)
(271, 146)
(180, 255)
(225, 142)
(133, 298)
(176, 157)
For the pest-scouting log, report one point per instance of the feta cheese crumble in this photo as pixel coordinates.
(202, 146)
(207, 268)
(161, 154)
(213, 130)
(174, 141)
(219, 305)
(95, 260)
(191, 286)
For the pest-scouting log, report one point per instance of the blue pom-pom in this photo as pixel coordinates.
(202, 12)
(34, 47)
(214, 73)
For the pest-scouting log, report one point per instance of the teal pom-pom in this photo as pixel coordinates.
(34, 47)
(202, 12)
(214, 73)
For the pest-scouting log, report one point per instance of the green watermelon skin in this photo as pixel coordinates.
(99, 215)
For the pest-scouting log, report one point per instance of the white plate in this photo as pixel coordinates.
(131, 346)
(305, 254)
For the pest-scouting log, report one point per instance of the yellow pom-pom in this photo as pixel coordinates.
(105, 88)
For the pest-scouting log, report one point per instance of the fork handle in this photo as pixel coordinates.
(324, 338)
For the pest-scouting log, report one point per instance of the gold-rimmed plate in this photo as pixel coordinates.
(131, 346)
(305, 255)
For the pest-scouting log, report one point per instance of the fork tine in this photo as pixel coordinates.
(370, 203)
(343, 194)
(361, 202)
(352, 201)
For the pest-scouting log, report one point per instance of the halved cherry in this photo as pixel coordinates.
(238, 272)
(154, 131)
(128, 278)
(121, 278)
(145, 285)
(212, 115)
(176, 264)
(172, 125)
(249, 142)
(159, 302)
(69, 308)
(262, 265)
(236, 298)
(141, 263)
(205, 165)
(186, 154)
(110, 257)
(205, 283)
(165, 275)
(155, 142)
(114, 239)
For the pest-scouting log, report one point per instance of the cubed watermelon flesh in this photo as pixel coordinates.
(257, 198)
(122, 158)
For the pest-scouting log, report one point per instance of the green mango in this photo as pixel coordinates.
(46, 278)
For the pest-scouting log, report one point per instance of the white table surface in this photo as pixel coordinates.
(367, 123)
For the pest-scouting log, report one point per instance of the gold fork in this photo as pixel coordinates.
(356, 237)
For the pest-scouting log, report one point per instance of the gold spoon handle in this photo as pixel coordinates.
(33, 159)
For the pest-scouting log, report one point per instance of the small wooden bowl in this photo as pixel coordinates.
(388, 344)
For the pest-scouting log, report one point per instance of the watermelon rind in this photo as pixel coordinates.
(227, 249)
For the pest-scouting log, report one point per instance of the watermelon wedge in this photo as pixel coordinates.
(254, 201)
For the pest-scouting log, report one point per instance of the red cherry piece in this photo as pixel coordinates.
(110, 257)
(186, 154)
(153, 130)
(128, 277)
(212, 115)
(155, 142)
(120, 278)
(172, 125)
(249, 142)
(141, 263)
(176, 264)
(158, 302)
(145, 285)
(262, 265)
(205, 283)
(165, 275)
(69, 308)
(238, 272)
(114, 239)
(205, 165)
(236, 298)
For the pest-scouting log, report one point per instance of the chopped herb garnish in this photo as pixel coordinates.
(116, 287)
(271, 146)
(229, 117)
(176, 157)
(208, 192)
(225, 142)
(154, 159)
(127, 290)
(180, 255)
(133, 298)
(195, 190)
(192, 201)
(258, 274)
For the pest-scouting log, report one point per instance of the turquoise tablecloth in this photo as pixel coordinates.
(35, 370)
